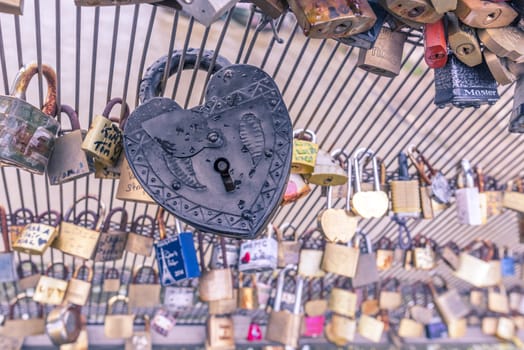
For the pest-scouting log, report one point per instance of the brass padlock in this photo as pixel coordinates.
(140, 241)
(305, 151)
(366, 40)
(424, 256)
(467, 198)
(385, 58)
(111, 280)
(215, 284)
(68, 162)
(405, 194)
(443, 6)
(340, 259)
(79, 290)
(435, 47)
(390, 297)
(19, 218)
(506, 330)
(448, 302)
(288, 250)
(118, 325)
(315, 307)
(111, 243)
(14, 7)
(343, 301)
(311, 254)
(247, 296)
(27, 134)
(516, 123)
(25, 324)
(463, 41)
(420, 11)
(514, 200)
(450, 255)
(63, 324)
(340, 330)
(498, 299)
(51, 290)
(333, 18)
(504, 42)
(485, 14)
(144, 290)
(220, 333)
(129, 189)
(472, 269)
(35, 238)
(420, 311)
(370, 304)
(370, 328)
(328, 170)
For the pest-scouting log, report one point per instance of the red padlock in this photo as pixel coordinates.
(435, 47)
(254, 333)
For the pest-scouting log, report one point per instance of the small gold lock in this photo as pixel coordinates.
(305, 151)
(463, 42)
(485, 14)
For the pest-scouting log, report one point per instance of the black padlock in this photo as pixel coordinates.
(463, 86)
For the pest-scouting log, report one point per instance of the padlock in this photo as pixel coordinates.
(506, 330)
(467, 198)
(343, 300)
(435, 46)
(489, 323)
(27, 134)
(405, 194)
(25, 324)
(370, 304)
(367, 271)
(259, 255)
(403, 253)
(424, 253)
(247, 296)
(288, 250)
(448, 301)
(421, 311)
(242, 327)
(179, 297)
(390, 297)
(118, 325)
(68, 162)
(163, 322)
(305, 151)
(35, 238)
(472, 269)
(339, 225)
(63, 324)
(499, 68)
(341, 330)
(340, 259)
(7, 262)
(129, 189)
(514, 200)
(311, 254)
(370, 328)
(367, 39)
(385, 58)
(19, 219)
(516, 123)
(409, 328)
(283, 326)
(314, 309)
(370, 203)
(420, 11)
(175, 255)
(272, 8)
(463, 41)
(220, 333)
(485, 14)
(15, 7)
(112, 281)
(28, 274)
(141, 340)
(215, 284)
(464, 86)
(494, 196)
(443, 6)
(328, 169)
(296, 188)
(504, 42)
(77, 240)
(385, 252)
(450, 255)
(494, 276)
(333, 18)
(498, 299)
(111, 243)
(144, 289)
(51, 290)
(103, 140)
(232, 251)
(140, 241)
(78, 290)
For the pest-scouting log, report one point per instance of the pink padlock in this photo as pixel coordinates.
(314, 326)
(254, 333)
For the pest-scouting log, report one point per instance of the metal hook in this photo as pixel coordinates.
(265, 20)
(403, 243)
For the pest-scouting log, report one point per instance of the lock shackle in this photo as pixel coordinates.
(420, 240)
(49, 214)
(389, 282)
(81, 267)
(153, 80)
(147, 322)
(310, 288)
(113, 300)
(85, 214)
(468, 172)
(307, 237)
(142, 268)
(300, 134)
(280, 289)
(362, 242)
(124, 113)
(51, 266)
(24, 76)
(5, 229)
(140, 221)
(281, 232)
(404, 234)
(27, 216)
(101, 207)
(110, 273)
(123, 219)
(420, 162)
(481, 183)
(20, 268)
(337, 154)
(162, 232)
(361, 153)
(385, 243)
(71, 115)
(242, 279)
(29, 298)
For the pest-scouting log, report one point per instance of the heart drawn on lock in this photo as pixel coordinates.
(222, 167)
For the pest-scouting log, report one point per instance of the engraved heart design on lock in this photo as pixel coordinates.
(223, 166)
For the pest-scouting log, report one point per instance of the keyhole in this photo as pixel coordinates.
(222, 166)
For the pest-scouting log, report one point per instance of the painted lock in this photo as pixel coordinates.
(333, 18)
(385, 58)
(27, 134)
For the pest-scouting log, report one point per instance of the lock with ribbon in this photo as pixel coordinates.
(259, 255)
(7, 259)
(77, 240)
(175, 255)
(25, 318)
(52, 290)
(63, 324)
(258, 123)
(288, 249)
(79, 290)
(144, 290)
(118, 325)
(215, 284)
(111, 242)
(140, 240)
(27, 134)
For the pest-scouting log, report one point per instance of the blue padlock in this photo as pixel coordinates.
(175, 255)
(507, 264)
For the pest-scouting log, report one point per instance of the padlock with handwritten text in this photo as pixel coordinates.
(385, 57)
(111, 243)
(52, 290)
(305, 151)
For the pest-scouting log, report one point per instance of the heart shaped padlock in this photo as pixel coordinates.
(222, 167)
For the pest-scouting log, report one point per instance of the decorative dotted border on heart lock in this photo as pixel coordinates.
(205, 218)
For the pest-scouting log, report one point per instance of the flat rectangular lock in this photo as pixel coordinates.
(435, 48)
(385, 58)
(366, 40)
(485, 14)
(420, 11)
(463, 42)
(333, 18)
(463, 86)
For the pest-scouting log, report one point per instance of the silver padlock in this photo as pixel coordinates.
(468, 198)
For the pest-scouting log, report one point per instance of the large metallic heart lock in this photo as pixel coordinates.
(235, 148)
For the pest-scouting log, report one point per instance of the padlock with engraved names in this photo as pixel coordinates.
(443, 6)
(467, 198)
(435, 45)
(368, 204)
(305, 151)
(463, 86)
(485, 14)
(333, 18)
(385, 58)
(420, 11)
(272, 8)
(463, 41)
(367, 39)
(405, 195)
(516, 123)
(328, 169)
